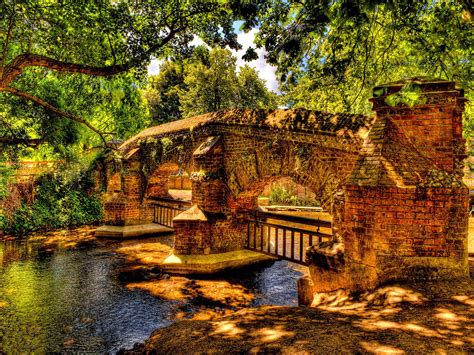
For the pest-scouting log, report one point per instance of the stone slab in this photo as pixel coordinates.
(119, 232)
(212, 263)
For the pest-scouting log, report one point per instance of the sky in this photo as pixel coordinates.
(265, 70)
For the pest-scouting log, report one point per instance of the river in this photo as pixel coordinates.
(62, 299)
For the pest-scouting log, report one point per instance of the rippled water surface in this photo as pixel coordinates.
(73, 300)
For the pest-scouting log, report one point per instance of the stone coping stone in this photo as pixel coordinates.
(119, 232)
(212, 263)
(192, 214)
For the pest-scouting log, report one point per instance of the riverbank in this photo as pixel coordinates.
(418, 318)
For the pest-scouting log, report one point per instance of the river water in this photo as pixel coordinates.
(73, 300)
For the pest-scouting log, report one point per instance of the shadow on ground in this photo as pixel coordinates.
(419, 318)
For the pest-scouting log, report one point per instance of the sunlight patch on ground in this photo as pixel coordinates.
(382, 325)
(342, 300)
(374, 347)
(276, 333)
(227, 329)
(464, 299)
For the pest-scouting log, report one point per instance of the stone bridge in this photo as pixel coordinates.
(393, 186)
(231, 156)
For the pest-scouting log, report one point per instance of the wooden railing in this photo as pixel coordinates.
(278, 238)
(167, 209)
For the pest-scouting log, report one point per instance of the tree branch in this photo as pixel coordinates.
(6, 44)
(53, 109)
(27, 142)
(16, 66)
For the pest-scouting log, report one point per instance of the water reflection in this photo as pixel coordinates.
(53, 299)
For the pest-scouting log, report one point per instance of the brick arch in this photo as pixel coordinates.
(322, 170)
(248, 199)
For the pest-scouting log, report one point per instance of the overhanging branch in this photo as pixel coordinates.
(22, 61)
(53, 109)
(27, 142)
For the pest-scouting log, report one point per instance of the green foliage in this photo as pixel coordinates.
(210, 88)
(6, 172)
(253, 92)
(162, 93)
(61, 200)
(330, 54)
(280, 195)
(409, 95)
(57, 57)
(205, 81)
(113, 104)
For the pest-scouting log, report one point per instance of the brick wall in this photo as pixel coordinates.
(406, 208)
(398, 233)
(157, 184)
(215, 234)
(179, 182)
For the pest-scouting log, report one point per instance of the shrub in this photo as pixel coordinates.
(281, 195)
(61, 200)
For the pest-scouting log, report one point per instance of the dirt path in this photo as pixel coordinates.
(417, 319)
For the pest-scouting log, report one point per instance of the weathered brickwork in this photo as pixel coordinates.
(250, 165)
(231, 156)
(405, 215)
(215, 234)
(123, 204)
(157, 184)
(393, 186)
(179, 182)
(398, 233)
(434, 126)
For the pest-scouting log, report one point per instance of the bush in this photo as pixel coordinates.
(281, 195)
(61, 200)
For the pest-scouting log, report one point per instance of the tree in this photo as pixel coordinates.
(331, 53)
(205, 81)
(252, 90)
(96, 39)
(110, 104)
(162, 93)
(210, 88)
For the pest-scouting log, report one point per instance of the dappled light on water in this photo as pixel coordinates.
(67, 291)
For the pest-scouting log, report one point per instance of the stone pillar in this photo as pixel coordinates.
(406, 208)
(208, 227)
(123, 206)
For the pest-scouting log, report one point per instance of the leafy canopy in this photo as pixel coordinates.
(55, 54)
(206, 81)
(330, 54)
